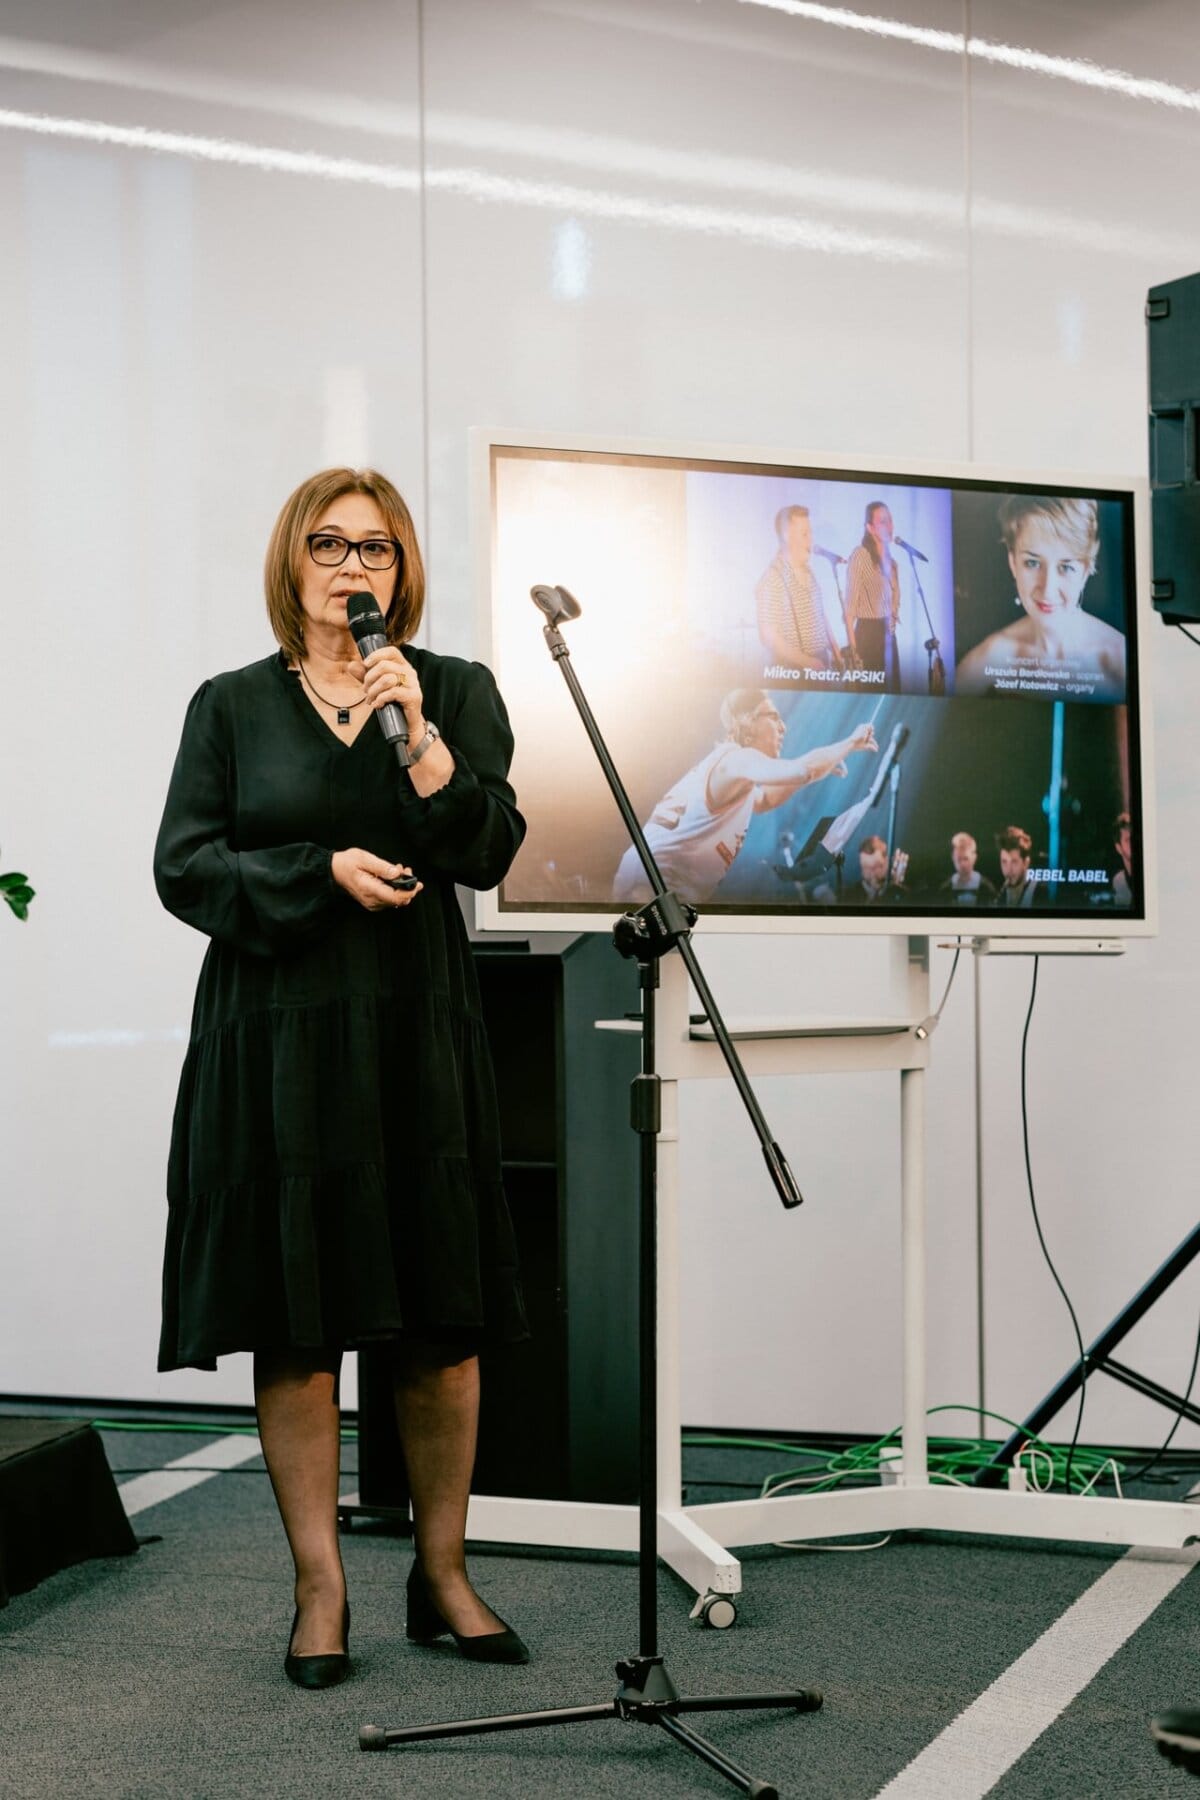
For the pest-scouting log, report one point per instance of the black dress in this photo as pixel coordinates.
(334, 1174)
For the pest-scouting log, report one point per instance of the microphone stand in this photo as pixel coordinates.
(893, 802)
(646, 1694)
(834, 563)
(937, 669)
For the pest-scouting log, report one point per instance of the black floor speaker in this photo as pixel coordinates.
(1173, 366)
(558, 1415)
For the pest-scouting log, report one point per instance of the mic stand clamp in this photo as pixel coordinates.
(659, 926)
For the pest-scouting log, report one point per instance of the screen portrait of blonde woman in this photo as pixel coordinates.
(1056, 645)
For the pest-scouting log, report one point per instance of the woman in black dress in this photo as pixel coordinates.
(334, 1175)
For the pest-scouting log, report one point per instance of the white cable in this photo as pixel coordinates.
(1109, 1463)
(879, 1544)
(801, 1544)
(931, 1022)
(1033, 1451)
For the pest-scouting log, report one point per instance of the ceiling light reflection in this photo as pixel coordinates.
(1013, 56)
(776, 231)
(207, 149)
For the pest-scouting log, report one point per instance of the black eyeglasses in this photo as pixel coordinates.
(327, 548)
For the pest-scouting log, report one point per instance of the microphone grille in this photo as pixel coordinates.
(363, 615)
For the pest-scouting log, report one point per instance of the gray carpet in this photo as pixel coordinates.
(159, 1676)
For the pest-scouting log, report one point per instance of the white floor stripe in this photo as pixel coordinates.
(970, 1756)
(187, 1472)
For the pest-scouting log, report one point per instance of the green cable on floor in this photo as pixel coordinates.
(950, 1459)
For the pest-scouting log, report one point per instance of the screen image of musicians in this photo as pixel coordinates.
(1056, 646)
(792, 621)
(883, 879)
(698, 827)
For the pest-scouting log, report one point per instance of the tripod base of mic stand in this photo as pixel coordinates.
(646, 1696)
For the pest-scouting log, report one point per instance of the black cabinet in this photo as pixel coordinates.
(558, 1417)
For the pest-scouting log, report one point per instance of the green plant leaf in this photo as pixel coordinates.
(16, 890)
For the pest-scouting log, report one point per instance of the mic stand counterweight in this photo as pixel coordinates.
(646, 1694)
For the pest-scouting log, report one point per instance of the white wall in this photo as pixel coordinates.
(672, 218)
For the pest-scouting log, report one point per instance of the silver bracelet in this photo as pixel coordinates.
(432, 734)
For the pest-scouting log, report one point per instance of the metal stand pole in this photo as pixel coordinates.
(1098, 1359)
(915, 1435)
(893, 803)
(980, 1294)
(935, 673)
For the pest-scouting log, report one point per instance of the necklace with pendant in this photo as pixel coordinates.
(343, 712)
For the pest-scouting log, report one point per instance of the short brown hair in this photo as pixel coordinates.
(784, 517)
(286, 550)
(1013, 838)
(871, 845)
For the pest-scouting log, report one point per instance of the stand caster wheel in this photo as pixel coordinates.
(717, 1611)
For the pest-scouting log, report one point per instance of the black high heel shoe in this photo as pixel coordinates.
(425, 1624)
(318, 1671)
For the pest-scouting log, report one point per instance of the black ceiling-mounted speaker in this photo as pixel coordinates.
(1173, 368)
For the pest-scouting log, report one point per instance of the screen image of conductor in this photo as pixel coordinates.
(828, 802)
(964, 812)
(697, 829)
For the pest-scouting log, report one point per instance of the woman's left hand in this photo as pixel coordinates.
(388, 677)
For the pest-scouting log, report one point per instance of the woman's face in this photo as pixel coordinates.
(323, 589)
(880, 527)
(1050, 576)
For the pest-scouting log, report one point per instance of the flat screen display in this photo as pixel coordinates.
(841, 698)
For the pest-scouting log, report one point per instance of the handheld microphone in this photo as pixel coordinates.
(911, 548)
(369, 633)
(887, 763)
(829, 555)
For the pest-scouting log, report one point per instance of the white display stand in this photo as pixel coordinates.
(696, 1541)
